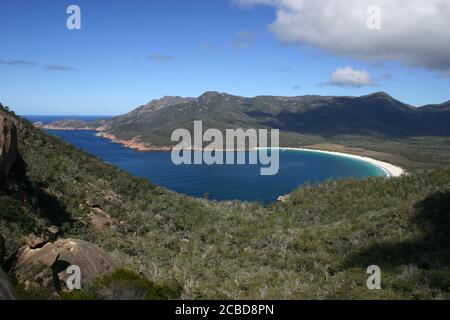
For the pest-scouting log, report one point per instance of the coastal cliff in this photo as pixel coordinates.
(135, 143)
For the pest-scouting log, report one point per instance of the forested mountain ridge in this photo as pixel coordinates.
(375, 114)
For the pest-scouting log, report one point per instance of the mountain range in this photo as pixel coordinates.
(376, 114)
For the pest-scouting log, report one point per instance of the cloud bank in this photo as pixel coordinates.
(413, 32)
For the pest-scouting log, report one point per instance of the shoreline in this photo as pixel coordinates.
(66, 128)
(135, 144)
(390, 169)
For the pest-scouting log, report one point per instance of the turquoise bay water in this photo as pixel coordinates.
(221, 182)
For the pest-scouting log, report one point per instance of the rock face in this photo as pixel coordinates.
(36, 241)
(38, 124)
(6, 292)
(98, 217)
(2, 250)
(9, 153)
(284, 198)
(46, 266)
(101, 220)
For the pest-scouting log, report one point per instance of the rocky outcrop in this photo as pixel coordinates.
(35, 241)
(2, 250)
(135, 143)
(38, 124)
(98, 217)
(284, 198)
(101, 220)
(9, 153)
(6, 292)
(47, 266)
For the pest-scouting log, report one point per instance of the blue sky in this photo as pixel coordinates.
(129, 52)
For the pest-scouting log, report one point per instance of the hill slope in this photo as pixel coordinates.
(375, 114)
(316, 245)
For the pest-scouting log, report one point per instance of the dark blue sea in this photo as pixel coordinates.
(220, 182)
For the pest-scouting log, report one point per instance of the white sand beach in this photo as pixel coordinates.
(391, 170)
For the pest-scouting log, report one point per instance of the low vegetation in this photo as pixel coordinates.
(122, 284)
(316, 245)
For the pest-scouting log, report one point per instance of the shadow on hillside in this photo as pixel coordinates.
(49, 207)
(33, 196)
(430, 251)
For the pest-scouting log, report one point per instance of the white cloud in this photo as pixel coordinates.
(413, 32)
(348, 77)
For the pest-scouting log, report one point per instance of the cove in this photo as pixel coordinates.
(223, 182)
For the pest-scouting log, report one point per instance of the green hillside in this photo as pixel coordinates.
(377, 114)
(317, 245)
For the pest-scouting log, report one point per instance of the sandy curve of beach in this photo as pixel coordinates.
(389, 169)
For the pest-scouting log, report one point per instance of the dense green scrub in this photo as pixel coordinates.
(317, 245)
